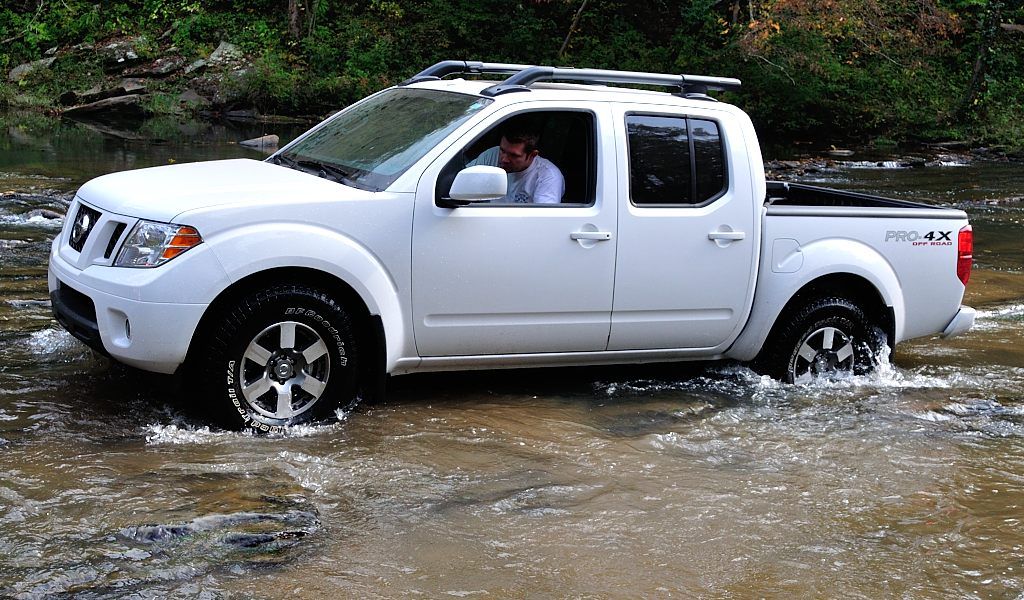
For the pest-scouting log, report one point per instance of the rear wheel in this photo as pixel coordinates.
(826, 337)
(280, 357)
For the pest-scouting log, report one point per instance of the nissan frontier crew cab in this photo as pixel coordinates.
(285, 288)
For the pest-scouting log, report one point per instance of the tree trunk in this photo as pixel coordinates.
(990, 27)
(293, 19)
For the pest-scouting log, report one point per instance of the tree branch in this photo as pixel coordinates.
(572, 28)
(783, 69)
(35, 17)
(13, 38)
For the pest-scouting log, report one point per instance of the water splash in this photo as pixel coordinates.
(178, 435)
(996, 318)
(983, 416)
(175, 434)
(874, 164)
(58, 344)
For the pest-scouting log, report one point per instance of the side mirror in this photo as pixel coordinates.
(476, 184)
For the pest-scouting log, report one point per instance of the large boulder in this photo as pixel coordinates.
(127, 87)
(22, 71)
(119, 107)
(120, 54)
(226, 53)
(161, 67)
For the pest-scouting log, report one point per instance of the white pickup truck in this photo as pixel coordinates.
(367, 247)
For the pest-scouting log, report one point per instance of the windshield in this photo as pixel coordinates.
(371, 144)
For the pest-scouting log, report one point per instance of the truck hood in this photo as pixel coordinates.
(162, 193)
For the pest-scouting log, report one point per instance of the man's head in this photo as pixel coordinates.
(517, 150)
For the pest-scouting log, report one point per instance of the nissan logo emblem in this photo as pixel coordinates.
(81, 229)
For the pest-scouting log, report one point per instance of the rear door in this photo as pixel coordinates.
(687, 238)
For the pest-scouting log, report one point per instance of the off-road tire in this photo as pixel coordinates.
(279, 357)
(826, 337)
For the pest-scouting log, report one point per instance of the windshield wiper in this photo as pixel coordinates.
(281, 159)
(320, 169)
(340, 174)
(328, 171)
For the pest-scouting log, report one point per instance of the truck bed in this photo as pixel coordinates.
(784, 193)
(783, 198)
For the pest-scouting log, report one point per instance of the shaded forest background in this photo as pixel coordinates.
(852, 70)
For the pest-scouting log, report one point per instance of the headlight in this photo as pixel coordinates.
(152, 244)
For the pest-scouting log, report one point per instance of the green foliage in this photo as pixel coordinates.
(66, 73)
(863, 69)
(6, 94)
(269, 84)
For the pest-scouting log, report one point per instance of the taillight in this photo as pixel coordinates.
(965, 254)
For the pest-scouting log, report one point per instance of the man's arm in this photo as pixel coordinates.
(488, 158)
(550, 186)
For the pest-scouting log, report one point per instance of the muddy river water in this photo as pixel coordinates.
(654, 482)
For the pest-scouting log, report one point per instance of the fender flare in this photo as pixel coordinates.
(252, 249)
(774, 291)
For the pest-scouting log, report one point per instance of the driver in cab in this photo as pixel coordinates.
(531, 177)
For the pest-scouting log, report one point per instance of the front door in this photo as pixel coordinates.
(525, 278)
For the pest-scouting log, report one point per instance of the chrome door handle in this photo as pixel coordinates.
(597, 236)
(727, 235)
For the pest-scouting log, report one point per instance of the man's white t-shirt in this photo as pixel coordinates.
(540, 183)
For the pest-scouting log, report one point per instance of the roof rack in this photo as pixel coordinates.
(696, 86)
(451, 67)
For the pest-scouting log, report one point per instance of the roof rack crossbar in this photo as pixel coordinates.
(522, 79)
(451, 67)
(522, 76)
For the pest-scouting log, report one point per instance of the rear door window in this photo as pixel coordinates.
(674, 160)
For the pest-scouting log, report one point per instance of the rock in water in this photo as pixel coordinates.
(266, 141)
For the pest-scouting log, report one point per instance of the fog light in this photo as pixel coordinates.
(127, 329)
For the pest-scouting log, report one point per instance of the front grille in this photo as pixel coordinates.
(113, 239)
(85, 220)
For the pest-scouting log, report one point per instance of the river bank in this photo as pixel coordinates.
(122, 85)
(131, 79)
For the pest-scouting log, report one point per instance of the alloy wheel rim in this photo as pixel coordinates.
(284, 370)
(825, 351)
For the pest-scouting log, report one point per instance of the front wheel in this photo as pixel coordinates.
(826, 337)
(280, 357)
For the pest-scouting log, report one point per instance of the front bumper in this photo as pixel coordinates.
(104, 307)
(963, 321)
(76, 312)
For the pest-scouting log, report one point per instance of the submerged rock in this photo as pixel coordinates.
(44, 213)
(264, 142)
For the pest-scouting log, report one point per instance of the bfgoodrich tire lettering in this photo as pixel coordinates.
(824, 337)
(280, 357)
